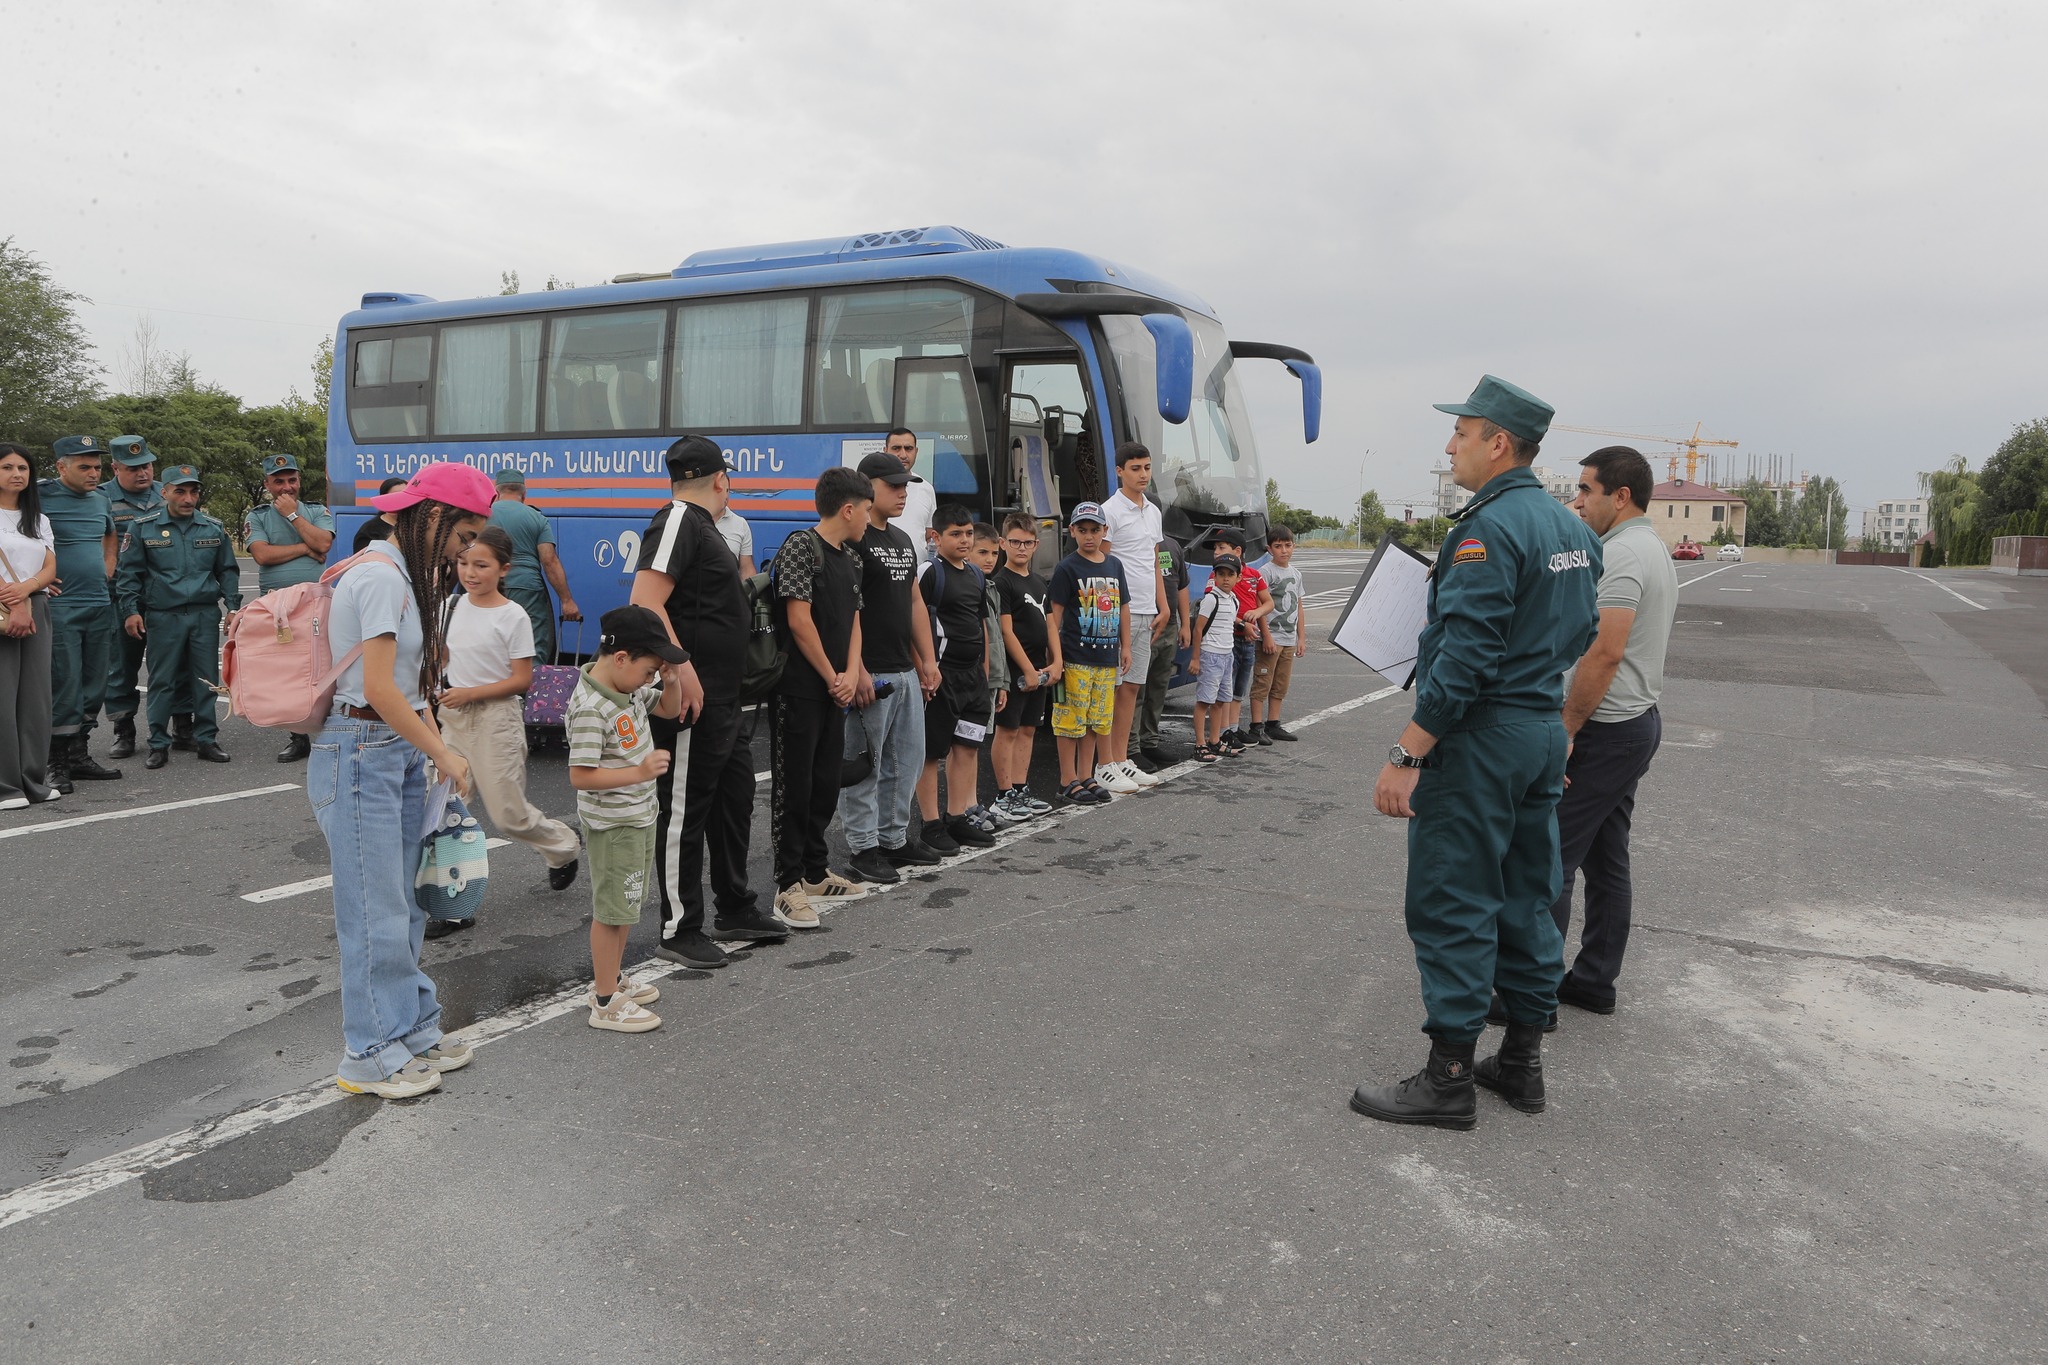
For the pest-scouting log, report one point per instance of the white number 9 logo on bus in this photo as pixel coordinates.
(624, 550)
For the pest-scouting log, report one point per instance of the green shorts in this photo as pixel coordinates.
(620, 858)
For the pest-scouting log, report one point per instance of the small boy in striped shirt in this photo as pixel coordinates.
(613, 764)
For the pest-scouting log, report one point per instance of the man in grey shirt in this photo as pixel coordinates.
(1611, 715)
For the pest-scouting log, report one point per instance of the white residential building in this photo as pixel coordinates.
(1895, 525)
(1450, 497)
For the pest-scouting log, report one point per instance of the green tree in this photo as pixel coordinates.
(1766, 524)
(1370, 520)
(1427, 534)
(2015, 478)
(1295, 519)
(46, 365)
(508, 282)
(1954, 505)
(1820, 517)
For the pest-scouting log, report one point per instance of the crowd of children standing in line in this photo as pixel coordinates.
(912, 637)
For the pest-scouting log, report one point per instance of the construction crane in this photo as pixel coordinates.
(1691, 443)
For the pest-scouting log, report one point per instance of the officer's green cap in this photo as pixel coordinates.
(180, 473)
(1515, 410)
(509, 478)
(278, 464)
(67, 446)
(132, 451)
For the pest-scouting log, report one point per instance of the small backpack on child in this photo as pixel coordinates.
(275, 668)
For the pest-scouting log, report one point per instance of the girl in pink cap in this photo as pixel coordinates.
(368, 778)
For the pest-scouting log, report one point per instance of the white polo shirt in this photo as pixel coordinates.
(920, 503)
(1135, 530)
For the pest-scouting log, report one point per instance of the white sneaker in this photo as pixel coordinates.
(1110, 777)
(17, 802)
(642, 992)
(622, 1015)
(1138, 774)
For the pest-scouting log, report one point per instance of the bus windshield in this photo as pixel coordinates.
(1207, 464)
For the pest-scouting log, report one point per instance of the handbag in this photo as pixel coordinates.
(547, 696)
(854, 771)
(455, 863)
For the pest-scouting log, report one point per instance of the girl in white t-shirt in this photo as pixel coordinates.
(488, 666)
(28, 565)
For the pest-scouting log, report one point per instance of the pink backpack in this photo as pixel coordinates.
(275, 666)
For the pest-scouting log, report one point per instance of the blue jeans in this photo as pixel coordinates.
(369, 793)
(877, 808)
(1246, 655)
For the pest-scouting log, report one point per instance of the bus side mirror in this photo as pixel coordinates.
(1173, 342)
(1311, 377)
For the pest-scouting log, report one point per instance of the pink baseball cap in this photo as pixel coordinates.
(458, 485)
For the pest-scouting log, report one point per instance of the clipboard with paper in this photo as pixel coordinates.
(1381, 626)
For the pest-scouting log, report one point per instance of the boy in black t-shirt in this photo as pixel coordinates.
(1034, 667)
(1084, 605)
(817, 596)
(956, 719)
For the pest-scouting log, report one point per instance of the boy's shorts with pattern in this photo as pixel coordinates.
(1084, 700)
(1212, 684)
(621, 860)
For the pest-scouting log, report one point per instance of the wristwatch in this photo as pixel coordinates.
(291, 516)
(1401, 758)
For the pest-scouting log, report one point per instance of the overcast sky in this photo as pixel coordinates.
(1818, 229)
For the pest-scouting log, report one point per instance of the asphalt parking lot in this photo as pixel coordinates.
(1083, 1097)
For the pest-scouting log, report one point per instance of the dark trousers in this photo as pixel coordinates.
(717, 774)
(1482, 872)
(184, 663)
(808, 743)
(124, 686)
(1593, 819)
(1152, 696)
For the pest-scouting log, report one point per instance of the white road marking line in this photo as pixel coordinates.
(1943, 586)
(1708, 574)
(110, 1172)
(290, 889)
(1738, 589)
(103, 816)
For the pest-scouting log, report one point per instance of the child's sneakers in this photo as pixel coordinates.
(983, 818)
(1007, 811)
(794, 908)
(1138, 775)
(1110, 777)
(967, 833)
(642, 992)
(1025, 801)
(622, 1014)
(833, 887)
(1275, 730)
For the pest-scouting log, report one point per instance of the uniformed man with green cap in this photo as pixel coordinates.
(135, 493)
(289, 540)
(1481, 765)
(177, 567)
(81, 610)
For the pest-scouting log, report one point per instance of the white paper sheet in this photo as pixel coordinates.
(1382, 623)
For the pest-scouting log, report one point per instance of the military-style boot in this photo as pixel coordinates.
(1515, 1073)
(84, 768)
(60, 764)
(124, 738)
(1440, 1094)
(181, 733)
(297, 749)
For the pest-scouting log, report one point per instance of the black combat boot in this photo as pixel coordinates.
(124, 738)
(83, 768)
(296, 749)
(1515, 1073)
(1440, 1094)
(181, 733)
(60, 764)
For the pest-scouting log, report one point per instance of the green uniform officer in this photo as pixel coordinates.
(1481, 765)
(176, 569)
(135, 493)
(535, 564)
(81, 610)
(289, 540)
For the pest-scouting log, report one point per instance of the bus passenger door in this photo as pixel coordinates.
(1056, 389)
(936, 398)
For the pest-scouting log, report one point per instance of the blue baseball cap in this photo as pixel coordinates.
(1087, 511)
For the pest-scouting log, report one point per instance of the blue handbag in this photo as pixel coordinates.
(454, 862)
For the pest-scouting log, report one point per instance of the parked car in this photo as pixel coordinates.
(1731, 553)
(1687, 549)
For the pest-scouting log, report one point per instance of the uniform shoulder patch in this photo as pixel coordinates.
(1469, 551)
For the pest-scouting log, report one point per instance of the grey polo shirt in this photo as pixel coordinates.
(1638, 575)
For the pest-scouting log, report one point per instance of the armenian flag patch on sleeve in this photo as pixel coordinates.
(1468, 551)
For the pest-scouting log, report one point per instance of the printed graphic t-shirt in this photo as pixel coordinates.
(1091, 597)
(608, 729)
(888, 568)
(1285, 585)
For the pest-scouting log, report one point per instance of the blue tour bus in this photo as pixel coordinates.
(1020, 370)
